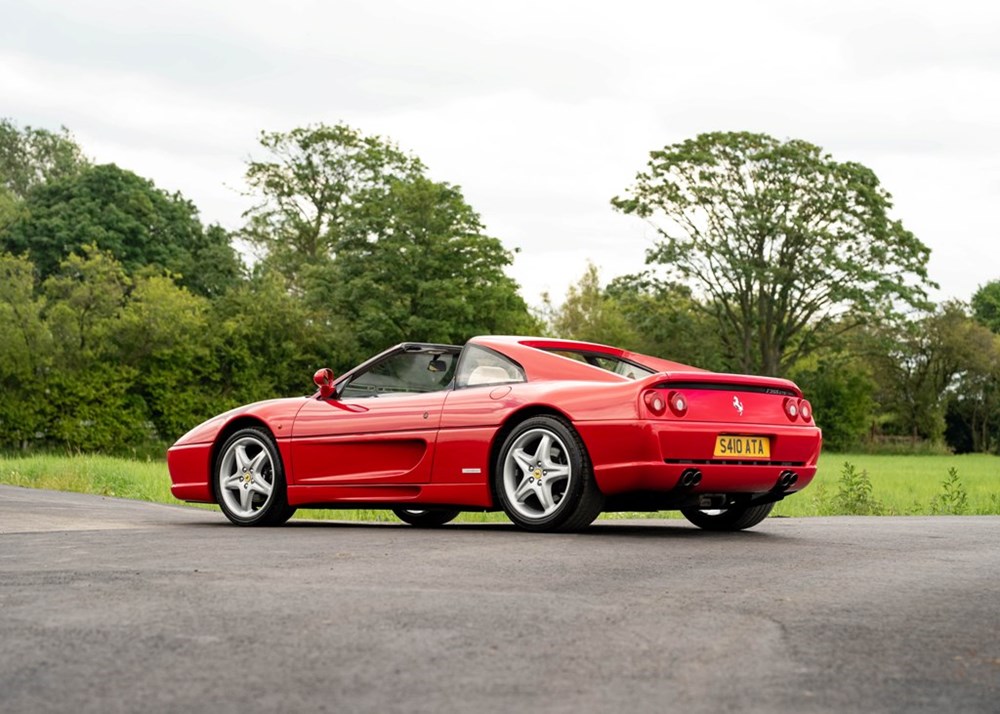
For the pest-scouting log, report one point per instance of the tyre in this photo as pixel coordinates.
(430, 518)
(728, 519)
(250, 480)
(543, 477)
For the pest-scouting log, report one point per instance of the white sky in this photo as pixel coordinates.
(540, 111)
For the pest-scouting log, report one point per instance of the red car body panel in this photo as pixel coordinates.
(438, 448)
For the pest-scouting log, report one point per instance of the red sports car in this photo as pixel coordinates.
(552, 432)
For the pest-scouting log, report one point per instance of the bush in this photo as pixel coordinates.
(854, 494)
(954, 500)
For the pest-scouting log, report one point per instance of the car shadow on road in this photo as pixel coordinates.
(601, 529)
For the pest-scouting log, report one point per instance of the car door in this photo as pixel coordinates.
(380, 430)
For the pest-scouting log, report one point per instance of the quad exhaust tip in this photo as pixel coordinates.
(692, 477)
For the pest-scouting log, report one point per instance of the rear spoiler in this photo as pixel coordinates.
(720, 381)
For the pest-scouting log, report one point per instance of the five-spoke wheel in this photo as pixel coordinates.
(250, 480)
(543, 477)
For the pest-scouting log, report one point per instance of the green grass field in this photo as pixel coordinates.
(899, 485)
(903, 485)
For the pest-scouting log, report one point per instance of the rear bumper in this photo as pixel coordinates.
(652, 456)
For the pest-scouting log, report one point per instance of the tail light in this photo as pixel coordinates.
(655, 402)
(798, 409)
(678, 403)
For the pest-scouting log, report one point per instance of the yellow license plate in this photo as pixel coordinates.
(742, 447)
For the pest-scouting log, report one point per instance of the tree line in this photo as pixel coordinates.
(125, 320)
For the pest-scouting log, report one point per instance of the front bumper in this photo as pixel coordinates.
(189, 472)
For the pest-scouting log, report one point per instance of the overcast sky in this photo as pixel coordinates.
(540, 111)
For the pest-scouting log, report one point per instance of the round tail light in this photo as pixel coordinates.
(792, 409)
(678, 403)
(655, 403)
(805, 410)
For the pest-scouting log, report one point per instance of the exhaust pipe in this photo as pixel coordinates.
(690, 478)
(785, 480)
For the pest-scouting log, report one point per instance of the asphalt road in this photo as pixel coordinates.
(110, 605)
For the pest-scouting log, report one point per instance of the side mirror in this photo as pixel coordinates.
(324, 380)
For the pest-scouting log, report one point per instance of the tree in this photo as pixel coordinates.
(10, 209)
(359, 231)
(973, 414)
(311, 187)
(120, 212)
(91, 388)
(668, 321)
(163, 334)
(842, 396)
(269, 342)
(25, 354)
(84, 298)
(589, 314)
(781, 239)
(417, 265)
(986, 306)
(30, 157)
(918, 365)
(639, 313)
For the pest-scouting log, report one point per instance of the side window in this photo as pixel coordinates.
(404, 373)
(606, 362)
(480, 366)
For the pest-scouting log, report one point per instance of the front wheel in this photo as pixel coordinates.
(736, 518)
(250, 480)
(430, 518)
(543, 477)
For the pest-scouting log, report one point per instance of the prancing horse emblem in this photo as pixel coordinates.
(738, 404)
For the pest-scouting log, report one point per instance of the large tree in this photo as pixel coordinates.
(128, 216)
(30, 157)
(311, 186)
(780, 238)
(418, 265)
(360, 232)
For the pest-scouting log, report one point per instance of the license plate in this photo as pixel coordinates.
(742, 447)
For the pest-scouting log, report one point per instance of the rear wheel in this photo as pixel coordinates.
(736, 518)
(250, 480)
(543, 477)
(430, 518)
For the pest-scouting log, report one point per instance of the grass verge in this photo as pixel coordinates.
(878, 484)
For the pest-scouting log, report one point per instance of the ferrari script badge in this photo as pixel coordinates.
(738, 405)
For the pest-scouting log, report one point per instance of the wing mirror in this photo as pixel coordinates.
(324, 380)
